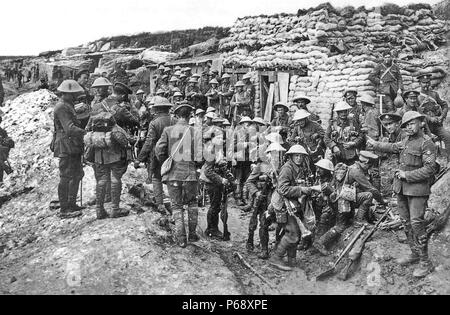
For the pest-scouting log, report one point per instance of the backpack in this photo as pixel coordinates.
(103, 122)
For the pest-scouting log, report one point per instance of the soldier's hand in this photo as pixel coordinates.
(306, 190)
(400, 174)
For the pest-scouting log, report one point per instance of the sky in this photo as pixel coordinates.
(28, 27)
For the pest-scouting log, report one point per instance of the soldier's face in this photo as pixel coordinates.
(240, 89)
(280, 111)
(322, 171)
(83, 79)
(103, 91)
(302, 105)
(388, 60)
(412, 100)
(302, 122)
(413, 127)
(365, 162)
(343, 114)
(297, 159)
(140, 97)
(293, 109)
(425, 85)
(391, 127)
(351, 99)
(177, 98)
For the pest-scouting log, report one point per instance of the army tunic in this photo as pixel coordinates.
(311, 137)
(343, 131)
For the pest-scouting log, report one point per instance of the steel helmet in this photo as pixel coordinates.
(297, 149)
(275, 146)
(260, 121)
(192, 121)
(161, 102)
(350, 90)
(274, 137)
(245, 119)
(213, 81)
(217, 120)
(177, 68)
(177, 73)
(70, 86)
(210, 115)
(199, 111)
(195, 75)
(160, 91)
(279, 104)
(247, 76)
(301, 97)
(226, 76)
(140, 92)
(410, 115)
(325, 164)
(177, 94)
(161, 67)
(181, 105)
(210, 110)
(300, 114)
(239, 83)
(226, 122)
(342, 105)
(366, 98)
(100, 82)
(192, 80)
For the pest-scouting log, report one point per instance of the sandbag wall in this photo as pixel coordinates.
(339, 48)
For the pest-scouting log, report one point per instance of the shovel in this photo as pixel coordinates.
(332, 270)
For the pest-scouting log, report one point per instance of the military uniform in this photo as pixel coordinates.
(310, 137)
(241, 101)
(6, 144)
(2, 92)
(342, 131)
(417, 158)
(226, 90)
(243, 163)
(194, 97)
(182, 178)
(68, 147)
(213, 98)
(387, 80)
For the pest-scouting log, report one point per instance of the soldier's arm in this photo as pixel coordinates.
(360, 138)
(229, 93)
(387, 147)
(428, 161)
(319, 130)
(356, 175)
(211, 174)
(233, 100)
(444, 106)
(374, 76)
(162, 147)
(67, 124)
(284, 186)
(327, 138)
(148, 144)
(126, 116)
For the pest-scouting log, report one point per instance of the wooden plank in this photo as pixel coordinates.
(283, 82)
(276, 93)
(269, 104)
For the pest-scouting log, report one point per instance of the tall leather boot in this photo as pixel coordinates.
(292, 255)
(180, 230)
(250, 246)
(361, 215)
(63, 196)
(108, 192)
(192, 224)
(413, 257)
(74, 186)
(213, 226)
(277, 257)
(425, 265)
(321, 244)
(264, 240)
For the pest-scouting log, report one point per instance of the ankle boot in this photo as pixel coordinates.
(325, 240)
(101, 213)
(414, 256)
(425, 266)
(192, 224)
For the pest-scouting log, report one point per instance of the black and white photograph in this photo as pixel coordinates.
(224, 153)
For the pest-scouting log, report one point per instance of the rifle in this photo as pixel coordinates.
(221, 104)
(224, 210)
(235, 114)
(331, 271)
(356, 252)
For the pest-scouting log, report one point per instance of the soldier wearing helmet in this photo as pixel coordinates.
(343, 135)
(435, 109)
(250, 90)
(289, 189)
(67, 145)
(226, 91)
(307, 133)
(240, 102)
(350, 95)
(301, 102)
(213, 95)
(412, 182)
(193, 94)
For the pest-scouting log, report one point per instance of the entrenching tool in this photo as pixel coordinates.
(332, 270)
(356, 252)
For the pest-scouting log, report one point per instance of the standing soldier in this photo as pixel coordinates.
(226, 92)
(250, 91)
(125, 114)
(82, 78)
(139, 99)
(193, 94)
(435, 109)
(182, 83)
(387, 79)
(282, 118)
(242, 157)
(343, 135)
(6, 144)
(309, 134)
(68, 147)
(181, 179)
(288, 190)
(350, 96)
(301, 102)
(2, 92)
(204, 82)
(240, 103)
(369, 116)
(213, 95)
(411, 98)
(173, 84)
(412, 184)
(147, 155)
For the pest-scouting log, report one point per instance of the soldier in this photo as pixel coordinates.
(435, 109)
(259, 185)
(6, 144)
(43, 85)
(160, 92)
(309, 134)
(369, 118)
(193, 94)
(213, 95)
(126, 116)
(387, 79)
(288, 190)
(350, 96)
(147, 155)
(164, 85)
(120, 75)
(412, 182)
(139, 99)
(242, 157)
(411, 98)
(181, 179)
(82, 78)
(204, 82)
(173, 83)
(182, 83)
(250, 91)
(199, 117)
(226, 92)
(302, 102)
(282, 118)
(343, 135)
(67, 145)
(187, 72)
(240, 103)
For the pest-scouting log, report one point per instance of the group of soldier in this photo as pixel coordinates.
(197, 134)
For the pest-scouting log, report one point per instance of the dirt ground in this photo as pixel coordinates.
(41, 254)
